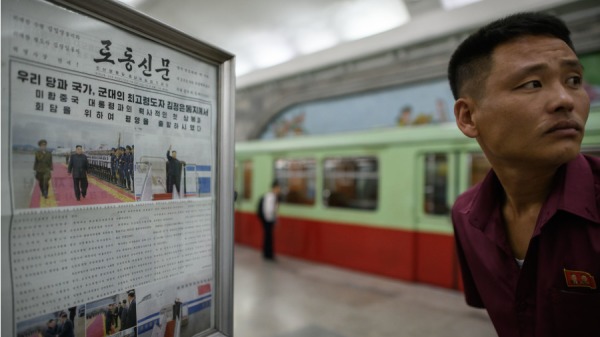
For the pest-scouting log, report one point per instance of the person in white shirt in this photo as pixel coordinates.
(267, 212)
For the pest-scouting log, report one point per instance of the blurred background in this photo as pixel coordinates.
(346, 104)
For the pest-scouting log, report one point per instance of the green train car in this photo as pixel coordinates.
(375, 201)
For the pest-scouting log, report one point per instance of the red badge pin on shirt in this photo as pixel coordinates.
(579, 279)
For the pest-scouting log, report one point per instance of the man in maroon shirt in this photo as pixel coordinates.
(528, 236)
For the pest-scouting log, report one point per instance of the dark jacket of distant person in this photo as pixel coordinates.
(66, 329)
(131, 319)
(124, 316)
(50, 332)
(78, 165)
(174, 166)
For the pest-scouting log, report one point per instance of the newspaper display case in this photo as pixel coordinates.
(117, 174)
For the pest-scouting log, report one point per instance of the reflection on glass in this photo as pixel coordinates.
(351, 182)
(480, 166)
(296, 178)
(594, 152)
(436, 184)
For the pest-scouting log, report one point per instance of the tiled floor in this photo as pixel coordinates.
(295, 298)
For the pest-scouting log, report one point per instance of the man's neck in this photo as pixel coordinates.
(525, 191)
(525, 188)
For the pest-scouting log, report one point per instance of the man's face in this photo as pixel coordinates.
(174, 154)
(534, 108)
(43, 146)
(79, 150)
(52, 324)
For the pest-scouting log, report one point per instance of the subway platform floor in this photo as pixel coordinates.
(297, 298)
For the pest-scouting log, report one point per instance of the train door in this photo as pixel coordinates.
(435, 189)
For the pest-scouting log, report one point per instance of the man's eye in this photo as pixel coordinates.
(532, 85)
(575, 81)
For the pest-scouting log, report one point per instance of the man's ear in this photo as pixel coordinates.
(463, 112)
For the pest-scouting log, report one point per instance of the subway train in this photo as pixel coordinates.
(374, 201)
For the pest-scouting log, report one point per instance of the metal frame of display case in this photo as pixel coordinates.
(123, 17)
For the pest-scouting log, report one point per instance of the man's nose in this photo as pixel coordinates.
(561, 98)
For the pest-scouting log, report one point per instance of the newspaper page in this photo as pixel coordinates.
(108, 147)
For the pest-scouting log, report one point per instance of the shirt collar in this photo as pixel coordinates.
(574, 192)
(578, 190)
(485, 201)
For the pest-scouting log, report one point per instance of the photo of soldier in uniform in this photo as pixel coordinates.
(70, 163)
(43, 167)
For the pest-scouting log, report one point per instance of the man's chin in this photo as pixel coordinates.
(565, 155)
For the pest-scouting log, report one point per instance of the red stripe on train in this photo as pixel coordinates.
(400, 254)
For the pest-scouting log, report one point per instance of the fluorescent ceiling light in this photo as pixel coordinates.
(453, 4)
(310, 41)
(132, 3)
(268, 48)
(364, 18)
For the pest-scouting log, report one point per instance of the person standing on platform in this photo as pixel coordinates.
(174, 167)
(43, 167)
(528, 235)
(78, 167)
(267, 213)
(66, 328)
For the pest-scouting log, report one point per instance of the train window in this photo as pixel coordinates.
(594, 152)
(436, 184)
(480, 166)
(247, 180)
(296, 178)
(351, 182)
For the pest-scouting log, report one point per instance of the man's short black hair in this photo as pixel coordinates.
(471, 61)
(275, 184)
(76, 146)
